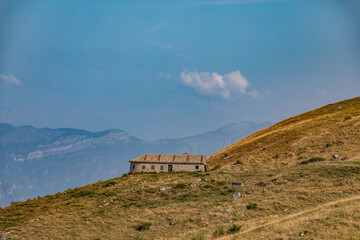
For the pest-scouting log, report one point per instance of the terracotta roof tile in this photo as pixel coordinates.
(171, 158)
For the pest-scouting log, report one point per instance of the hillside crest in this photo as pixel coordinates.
(330, 130)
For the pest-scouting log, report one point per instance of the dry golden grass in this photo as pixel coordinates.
(317, 200)
(333, 129)
(308, 198)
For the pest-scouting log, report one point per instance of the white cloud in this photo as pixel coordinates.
(10, 79)
(216, 85)
(324, 93)
(162, 45)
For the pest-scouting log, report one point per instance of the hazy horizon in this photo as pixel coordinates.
(169, 69)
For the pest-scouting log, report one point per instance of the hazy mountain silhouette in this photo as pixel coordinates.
(40, 161)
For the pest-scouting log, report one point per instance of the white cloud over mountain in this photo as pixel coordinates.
(217, 85)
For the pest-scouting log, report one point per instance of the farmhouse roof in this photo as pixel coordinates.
(170, 158)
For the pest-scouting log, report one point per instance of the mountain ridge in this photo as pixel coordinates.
(308, 195)
(40, 161)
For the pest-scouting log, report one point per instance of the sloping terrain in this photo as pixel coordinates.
(313, 196)
(40, 161)
(331, 130)
(319, 200)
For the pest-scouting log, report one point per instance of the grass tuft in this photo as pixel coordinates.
(252, 206)
(234, 228)
(143, 226)
(314, 159)
(216, 167)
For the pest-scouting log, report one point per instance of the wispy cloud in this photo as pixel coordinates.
(150, 37)
(324, 93)
(217, 85)
(153, 29)
(234, 2)
(162, 45)
(10, 79)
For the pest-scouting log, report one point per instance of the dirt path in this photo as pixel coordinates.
(297, 214)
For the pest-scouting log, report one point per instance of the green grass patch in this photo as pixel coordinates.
(217, 167)
(109, 183)
(181, 185)
(314, 159)
(143, 226)
(239, 162)
(252, 206)
(234, 228)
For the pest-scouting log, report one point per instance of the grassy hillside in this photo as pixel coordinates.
(302, 199)
(311, 201)
(330, 130)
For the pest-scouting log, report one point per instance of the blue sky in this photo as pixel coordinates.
(174, 68)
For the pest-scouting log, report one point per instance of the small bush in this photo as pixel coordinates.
(239, 162)
(347, 118)
(328, 145)
(276, 156)
(251, 206)
(233, 229)
(219, 231)
(151, 190)
(221, 183)
(261, 184)
(180, 185)
(82, 193)
(314, 159)
(217, 167)
(109, 183)
(143, 226)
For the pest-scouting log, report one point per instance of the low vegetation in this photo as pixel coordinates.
(143, 226)
(216, 167)
(314, 159)
(192, 206)
(252, 206)
(234, 228)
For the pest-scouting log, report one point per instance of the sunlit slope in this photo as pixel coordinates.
(316, 200)
(319, 200)
(331, 130)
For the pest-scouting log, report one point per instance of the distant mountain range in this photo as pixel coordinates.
(39, 161)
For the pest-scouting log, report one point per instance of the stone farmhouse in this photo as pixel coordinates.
(168, 163)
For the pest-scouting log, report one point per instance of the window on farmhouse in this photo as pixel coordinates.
(161, 167)
(152, 167)
(143, 167)
(133, 166)
(196, 167)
